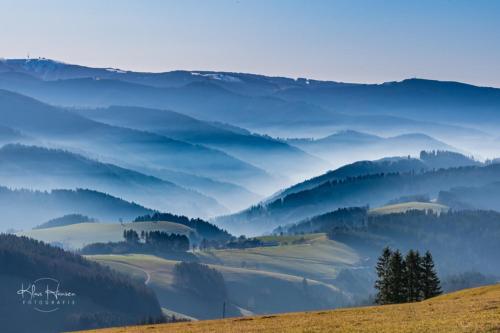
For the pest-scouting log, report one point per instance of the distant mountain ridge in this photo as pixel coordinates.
(259, 99)
(259, 150)
(345, 147)
(135, 147)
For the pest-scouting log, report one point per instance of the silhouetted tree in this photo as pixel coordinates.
(131, 236)
(405, 280)
(413, 276)
(382, 283)
(431, 286)
(396, 278)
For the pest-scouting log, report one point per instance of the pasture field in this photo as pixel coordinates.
(78, 235)
(406, 206)
(250, 291)
(316, 257)
(470, 310)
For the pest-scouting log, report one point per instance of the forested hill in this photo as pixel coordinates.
(205, 229)
(101, 297)
(427, 160)
(460, 241)
(23, 209)
(373, 190)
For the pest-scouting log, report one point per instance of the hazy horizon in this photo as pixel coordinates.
(360, 41)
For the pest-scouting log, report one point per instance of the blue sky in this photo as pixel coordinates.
(351, 41)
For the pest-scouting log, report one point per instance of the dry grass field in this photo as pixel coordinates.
(472, 310)
(406, 206)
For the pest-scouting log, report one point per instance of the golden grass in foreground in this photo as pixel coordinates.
(472, 310)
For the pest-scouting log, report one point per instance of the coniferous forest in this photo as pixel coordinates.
(409, 278)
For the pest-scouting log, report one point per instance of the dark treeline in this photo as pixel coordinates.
(352, 217)
(438, 159)
(103, 297)
(373, 190)
(241, 242)
(482, 197)
(66, 220)
(203, 228)
(459, 240)
(201, 281)
(401, 279)
(40, 206)
(146, 242)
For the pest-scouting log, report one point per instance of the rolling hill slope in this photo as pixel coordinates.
(26, 262)
(76, 236)
(470, 310)
(23, 209)
(127, 146)
(249, 290)
(426, 161)
(348, 146)
(371, 189)
(262, 151)
(45, 169)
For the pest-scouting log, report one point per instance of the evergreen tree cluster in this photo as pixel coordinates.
(147, 242)
(164, 241)
(405, 279)
(202, 227)
(201, 281)
(131, 236)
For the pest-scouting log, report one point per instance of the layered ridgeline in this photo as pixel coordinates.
(126, 147)
(364, 183)
(44, 169)
(263, 151)
(426, 161)
(74, 231)
(22, 208)
(99, 297)
(349, 146)
(68, 219)
(261, 102)
(466, 197)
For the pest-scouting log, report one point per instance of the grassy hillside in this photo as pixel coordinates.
(77, 235)
(404, 207)
(250, 291)
(471, 310)
(311, 256)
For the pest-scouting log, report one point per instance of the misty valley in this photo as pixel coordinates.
(151, 198)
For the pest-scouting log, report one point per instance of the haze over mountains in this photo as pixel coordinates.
(188, 142)
(43, 169)
(286, 190)
(364, 184)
